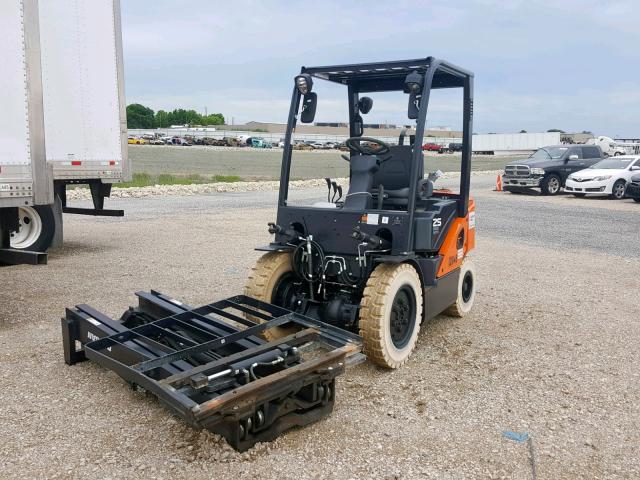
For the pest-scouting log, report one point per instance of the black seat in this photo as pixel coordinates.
(394, 176)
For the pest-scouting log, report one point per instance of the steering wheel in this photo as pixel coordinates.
(355, 143)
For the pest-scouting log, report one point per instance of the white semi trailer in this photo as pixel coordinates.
(64, 117)
(513, 143)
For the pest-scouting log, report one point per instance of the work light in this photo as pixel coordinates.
(304, 83)
(413, 83)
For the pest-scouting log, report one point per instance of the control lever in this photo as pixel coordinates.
(335, 191)
(339, 194)
(278, 230)
(328, 180)
(373, 240)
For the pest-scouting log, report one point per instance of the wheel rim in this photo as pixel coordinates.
(284, 293)
(467, 287)
(403, 316)
(618, 190)
(30, 228)
(553, 185)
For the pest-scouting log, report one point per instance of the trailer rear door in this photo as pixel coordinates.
(23, 171)
(84, 104)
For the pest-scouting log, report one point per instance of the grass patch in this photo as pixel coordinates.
(142, 179)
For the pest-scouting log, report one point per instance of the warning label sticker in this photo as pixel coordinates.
(373, 219)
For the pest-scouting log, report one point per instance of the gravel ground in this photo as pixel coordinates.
(551, 349)
(225, 187)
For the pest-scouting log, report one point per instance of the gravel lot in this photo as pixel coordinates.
(551, 349)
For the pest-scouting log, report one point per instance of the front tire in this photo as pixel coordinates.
(266, 282)
(618, 189)
(466, 291)
(550, 185)
(37, 228)
(390, 314)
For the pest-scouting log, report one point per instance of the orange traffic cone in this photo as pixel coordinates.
(498, 184)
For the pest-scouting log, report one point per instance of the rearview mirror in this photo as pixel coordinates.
(365, 104)
(309, 104)
(573, 157)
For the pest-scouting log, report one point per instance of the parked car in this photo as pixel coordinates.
(431, 147)
(317, 145)
(137, 141)
(179, 141)
(455, 147)
(633, 188)
(608, 145)
(548, 167)
(607, 177)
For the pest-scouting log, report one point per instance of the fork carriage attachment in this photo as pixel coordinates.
(208, 365)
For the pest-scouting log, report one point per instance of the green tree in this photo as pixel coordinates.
(162, 119)
(213, 119)
(139, 116)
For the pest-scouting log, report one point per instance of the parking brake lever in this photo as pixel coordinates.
(335, 191)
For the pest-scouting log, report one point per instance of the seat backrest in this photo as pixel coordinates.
(394, 173)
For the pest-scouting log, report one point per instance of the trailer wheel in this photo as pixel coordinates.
(390, 314)
(271, 280)
(37, 228)
(466, 291)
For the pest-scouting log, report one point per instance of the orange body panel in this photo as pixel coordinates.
(454, 248)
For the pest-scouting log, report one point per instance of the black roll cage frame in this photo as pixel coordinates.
(390, 76)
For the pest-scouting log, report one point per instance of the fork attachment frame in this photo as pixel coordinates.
(210, 366)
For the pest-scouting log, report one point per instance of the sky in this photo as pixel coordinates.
(572, 64)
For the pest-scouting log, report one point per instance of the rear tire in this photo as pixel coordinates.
(466, 291)
(390, 314)
(618, 189)
(636, 200)
(550, 185)
(263, 284)
(37, 229)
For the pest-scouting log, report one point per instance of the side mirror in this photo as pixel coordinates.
(414, 105)
(634, 168)
(365, 104)
(573, 157)
(309, 103)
